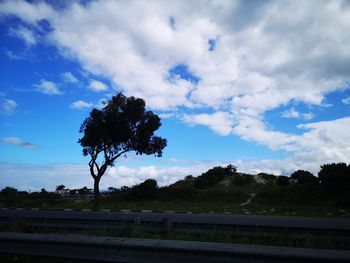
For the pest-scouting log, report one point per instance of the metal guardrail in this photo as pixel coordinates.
(292, 222)
(108, 249)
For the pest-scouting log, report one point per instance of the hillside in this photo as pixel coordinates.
(220, 189)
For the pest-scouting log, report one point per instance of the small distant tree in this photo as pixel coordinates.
(230, 170)
(73, 191)
(9, 190)
(112, 189)
(123, 125)
(84, 191)
(189, 178)
(304, 177)
(60, 187)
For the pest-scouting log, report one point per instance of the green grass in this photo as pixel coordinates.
(255, 207)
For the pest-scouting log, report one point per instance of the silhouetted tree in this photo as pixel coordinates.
(335, 177)
(8, 190)
(112, 189)
(60, 187)
(213, 176)
(84, 190)
(123, 125)
(304, 177)
(144, 191)
(230, 170)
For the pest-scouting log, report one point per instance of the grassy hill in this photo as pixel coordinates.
(219, 190)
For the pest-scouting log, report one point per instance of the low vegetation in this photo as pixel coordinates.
(219, 190)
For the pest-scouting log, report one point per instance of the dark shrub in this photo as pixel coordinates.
(269, 178)
(335, 178)
(9, 191)
(304, 177)
(242, 179)
(282, 181)
(213, 176)
(144, 191)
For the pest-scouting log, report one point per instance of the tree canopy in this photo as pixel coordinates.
(304, 177)
(335, 177)
(123, 125)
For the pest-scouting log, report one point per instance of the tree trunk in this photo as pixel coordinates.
(97, 192)
(97, 187)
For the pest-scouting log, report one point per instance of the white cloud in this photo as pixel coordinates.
(24, 33)
(97, 86)
(69, 77)
(308, 116)
(34, 177)
(292, 113)
(26, 11)
(80, 104)
(219, 122)
(48, 87)
(284, 52)
(18, 142)
(7, 106)
(346, 101)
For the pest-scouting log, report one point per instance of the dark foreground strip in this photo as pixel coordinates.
(327, 224)
(138, 250)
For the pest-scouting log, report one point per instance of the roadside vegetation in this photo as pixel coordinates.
(219, 190)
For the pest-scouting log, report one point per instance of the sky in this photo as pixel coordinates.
(263, 85)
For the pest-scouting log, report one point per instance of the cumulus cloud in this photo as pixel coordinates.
(31, 177)
(18, 142)
(308, 116)
(7, 106)
(266, 55)
(292, 113)
(26, 11)
(69, 77)
(80, 104)
(219, 122)
(97, 86)
(48, 87)
(24, 33)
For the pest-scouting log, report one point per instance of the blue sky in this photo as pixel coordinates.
(264, 86)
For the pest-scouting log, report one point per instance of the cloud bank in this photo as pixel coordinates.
(222, 64)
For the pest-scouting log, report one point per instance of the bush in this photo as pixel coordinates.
(213, 176)
(298, 194)
(269, 178)
(9, 191)
(304, 177)
(144, 191)
(242, 179)
(335, 178)
(282, 181)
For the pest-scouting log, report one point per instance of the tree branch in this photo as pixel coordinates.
(119, 154)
